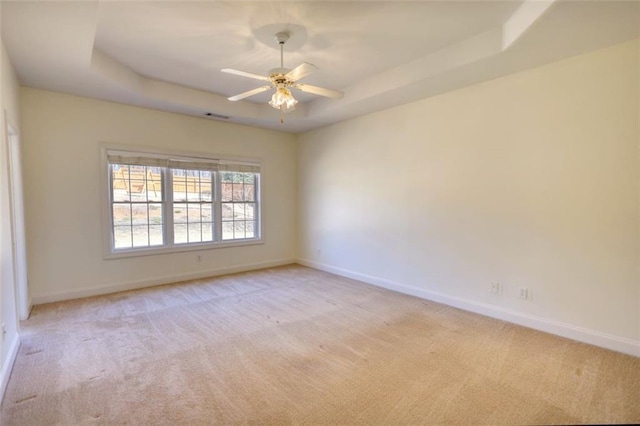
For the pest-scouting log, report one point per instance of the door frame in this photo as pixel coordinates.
(17, 217)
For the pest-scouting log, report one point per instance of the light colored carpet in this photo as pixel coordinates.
(295, 345)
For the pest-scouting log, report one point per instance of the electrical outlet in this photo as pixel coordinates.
(524, 293)
(495, 288)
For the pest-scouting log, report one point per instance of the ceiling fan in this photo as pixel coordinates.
(282, 80)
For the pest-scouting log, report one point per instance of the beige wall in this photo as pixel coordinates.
(9, 95)
(63, 188)
(530, 180)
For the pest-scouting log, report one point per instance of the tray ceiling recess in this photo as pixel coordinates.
(168, 55)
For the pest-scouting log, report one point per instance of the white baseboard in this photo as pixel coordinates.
(581, 334)
(58, 296)
(5, 372)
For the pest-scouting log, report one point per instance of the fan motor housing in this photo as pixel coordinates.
(277, 75)
(278, 71)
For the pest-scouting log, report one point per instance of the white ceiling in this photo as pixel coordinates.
(168, 54)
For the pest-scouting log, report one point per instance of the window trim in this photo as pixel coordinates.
(109, 252)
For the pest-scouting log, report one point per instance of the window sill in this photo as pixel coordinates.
(123, 254)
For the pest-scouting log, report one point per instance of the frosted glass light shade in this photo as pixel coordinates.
(283, 100)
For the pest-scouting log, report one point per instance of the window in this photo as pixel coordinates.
(238, 197)
(137, 206)
(192, 206)
(159, 202)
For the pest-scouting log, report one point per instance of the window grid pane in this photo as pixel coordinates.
(193, 189)
(238, 205)
(136, 205)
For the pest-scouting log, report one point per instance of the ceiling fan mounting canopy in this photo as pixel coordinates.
(282, 79)
(282, 37)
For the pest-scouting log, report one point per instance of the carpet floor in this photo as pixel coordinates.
(293, 345)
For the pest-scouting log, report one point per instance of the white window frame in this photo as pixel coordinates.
(109, 250)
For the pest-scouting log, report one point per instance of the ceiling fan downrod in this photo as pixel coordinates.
(282, 39)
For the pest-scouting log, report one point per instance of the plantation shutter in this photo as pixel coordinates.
(136, 159)
(188, 163)
(239, 167)
(174, 162)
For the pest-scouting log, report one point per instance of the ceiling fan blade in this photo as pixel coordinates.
(245, 74)
(249, 93)
(319, 91)
(301, 71)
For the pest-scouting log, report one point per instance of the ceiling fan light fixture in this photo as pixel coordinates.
(283, 100)
(282, 79)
